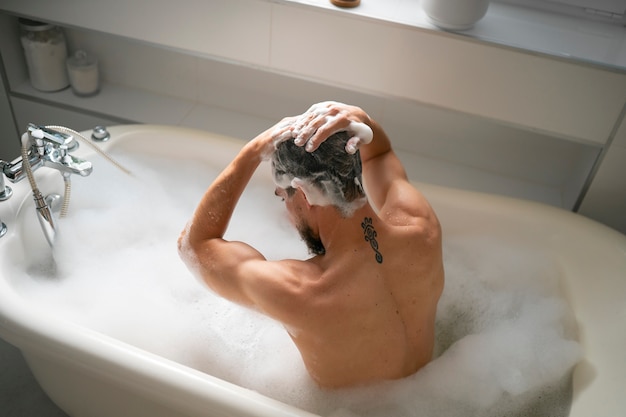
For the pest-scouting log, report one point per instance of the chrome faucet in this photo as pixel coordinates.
(49, 148)
(5, 194)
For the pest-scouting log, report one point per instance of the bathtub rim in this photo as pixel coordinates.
(136, 369)
(25, 328)
(33, 332)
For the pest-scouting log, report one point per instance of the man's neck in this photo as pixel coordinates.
(338, 233)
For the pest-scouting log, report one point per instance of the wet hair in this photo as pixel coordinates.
(335, 173)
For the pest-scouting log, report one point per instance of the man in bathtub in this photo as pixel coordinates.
(362, 309)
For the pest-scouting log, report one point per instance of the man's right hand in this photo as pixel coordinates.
(324, 119)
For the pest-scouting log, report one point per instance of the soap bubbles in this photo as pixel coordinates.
(505, 336)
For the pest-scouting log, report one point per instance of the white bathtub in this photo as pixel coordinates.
(89, 374)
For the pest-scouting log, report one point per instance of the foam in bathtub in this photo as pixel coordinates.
(505, 339)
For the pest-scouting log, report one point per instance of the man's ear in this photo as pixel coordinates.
(312, 194)
(306, 199)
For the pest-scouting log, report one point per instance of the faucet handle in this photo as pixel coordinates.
(53, 136)
(51, 148)
(69, 164)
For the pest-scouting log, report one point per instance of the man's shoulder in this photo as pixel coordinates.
(416, 233)
(408, 222)
(405, 205)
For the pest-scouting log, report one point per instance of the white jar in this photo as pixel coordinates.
(83, 71)
(45, 52)
(455, 14)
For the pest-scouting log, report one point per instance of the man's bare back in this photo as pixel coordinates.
(361, 310)
(367, 321)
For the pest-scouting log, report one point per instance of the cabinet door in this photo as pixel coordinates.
(9, 139)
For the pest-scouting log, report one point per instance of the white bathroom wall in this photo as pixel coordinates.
(150, 84)
(391, 51)
(203, 81)
(27, 111)
(606, 199)
(496, 83)
(461, 113)
(439, 146)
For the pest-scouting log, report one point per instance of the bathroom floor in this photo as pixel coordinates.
(20, 395)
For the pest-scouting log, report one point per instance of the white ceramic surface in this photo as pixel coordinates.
(89, 374)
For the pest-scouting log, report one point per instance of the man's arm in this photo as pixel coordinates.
(235, 270)
(387, 183)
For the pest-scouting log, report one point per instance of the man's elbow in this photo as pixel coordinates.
(186, 250)
(191, 254)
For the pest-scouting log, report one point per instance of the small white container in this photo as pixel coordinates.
(45, 52)
(84, 75)
(455, 14)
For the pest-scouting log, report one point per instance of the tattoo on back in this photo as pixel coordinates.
(370, 236)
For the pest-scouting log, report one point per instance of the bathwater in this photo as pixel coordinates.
(505, 338)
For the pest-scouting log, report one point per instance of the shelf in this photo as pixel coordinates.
(485, 133)
(559, 35)
(139, 106)
(116, 101)
(512, 60)
(537, 31)
(132, 105)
